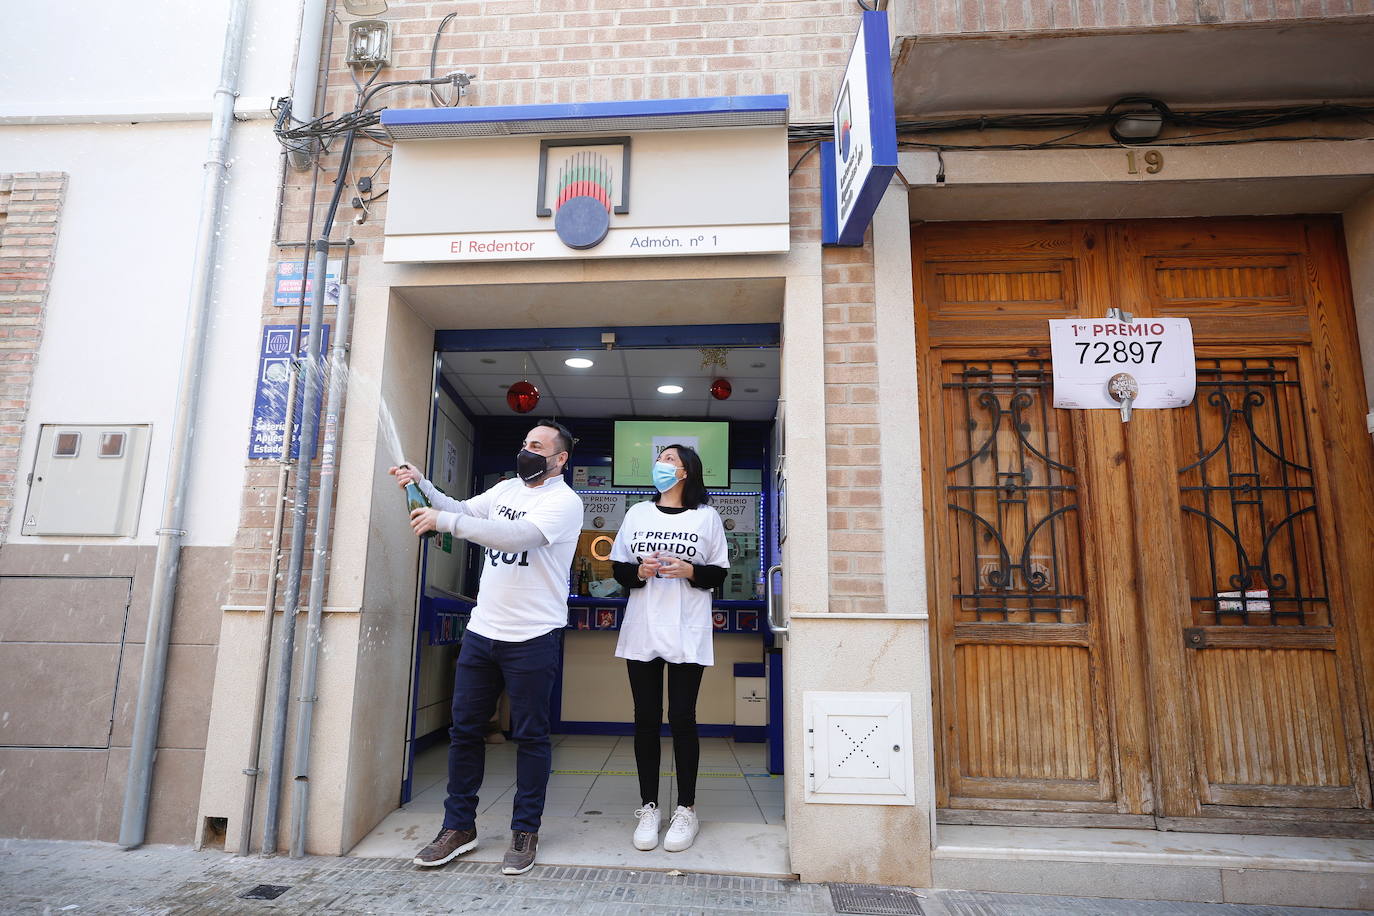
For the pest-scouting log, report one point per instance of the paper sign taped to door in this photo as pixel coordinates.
(1157, 352)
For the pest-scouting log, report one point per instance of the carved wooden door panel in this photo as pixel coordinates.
(1256, 595)
(1153, 622)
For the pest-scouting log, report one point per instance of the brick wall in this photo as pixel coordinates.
(30, 205)
(939, 17)
(553, 51)
(853, 474)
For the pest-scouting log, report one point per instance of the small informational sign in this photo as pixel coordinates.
(857, 167)
(273, 382)
(740, 514)
(450, 463)
(602, 511)
(587, 475)
(286, 289)
(1156, 352)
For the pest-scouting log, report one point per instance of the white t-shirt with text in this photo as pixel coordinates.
(524, 595)
(669, 618)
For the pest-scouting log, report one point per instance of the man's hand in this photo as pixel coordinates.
(404, 474)
(648, 567)
(424, 519)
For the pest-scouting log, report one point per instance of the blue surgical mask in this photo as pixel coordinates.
(665, 476)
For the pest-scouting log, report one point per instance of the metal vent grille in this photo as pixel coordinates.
(875, 899)
(588, 125)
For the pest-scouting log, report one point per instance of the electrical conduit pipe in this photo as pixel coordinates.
(305, 716)
(133, 822)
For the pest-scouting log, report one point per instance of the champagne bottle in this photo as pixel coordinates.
(415, 499)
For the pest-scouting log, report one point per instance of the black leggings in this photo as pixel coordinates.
(646, 685)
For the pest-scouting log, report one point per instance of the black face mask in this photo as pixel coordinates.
(530, 465)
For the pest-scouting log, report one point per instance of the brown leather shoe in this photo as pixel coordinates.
(520, 857)
(447, 846)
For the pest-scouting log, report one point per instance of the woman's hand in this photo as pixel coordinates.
(648, 568)
(673, 568)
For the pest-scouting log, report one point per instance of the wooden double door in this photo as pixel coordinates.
(1167, 622)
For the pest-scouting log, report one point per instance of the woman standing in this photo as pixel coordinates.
(669, 554)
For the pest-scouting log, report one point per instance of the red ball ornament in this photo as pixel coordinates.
(522, 397)
(721, 389)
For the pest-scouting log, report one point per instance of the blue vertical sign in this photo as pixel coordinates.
(273, 382)
(857, 167)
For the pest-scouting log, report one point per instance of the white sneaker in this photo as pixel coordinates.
(682, 830)
(646, 831)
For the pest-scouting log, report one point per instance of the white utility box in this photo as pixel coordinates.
(751, 701)
(858, 748)
(87, 480)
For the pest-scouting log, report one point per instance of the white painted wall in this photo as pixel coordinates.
(120, 290)
(93, 58)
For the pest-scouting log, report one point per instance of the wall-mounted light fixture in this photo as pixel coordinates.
(1136, 119)
(369, 43)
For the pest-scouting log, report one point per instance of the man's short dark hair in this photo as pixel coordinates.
(565, 441)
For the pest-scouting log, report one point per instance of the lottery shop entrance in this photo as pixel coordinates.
(1161, 623)
(619, 390)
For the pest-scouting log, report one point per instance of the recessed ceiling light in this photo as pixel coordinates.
(670, 389)
(578, 362)
(488, 361)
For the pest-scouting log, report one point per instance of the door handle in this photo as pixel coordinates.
(773, 623)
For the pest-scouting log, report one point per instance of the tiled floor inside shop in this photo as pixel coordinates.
(589, 811)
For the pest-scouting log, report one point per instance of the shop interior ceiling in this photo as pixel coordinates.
(622, 382)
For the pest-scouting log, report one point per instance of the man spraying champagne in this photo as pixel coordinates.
(529, 526)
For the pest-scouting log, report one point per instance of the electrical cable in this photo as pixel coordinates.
(434, 58)
(809, 150)
(911, 134)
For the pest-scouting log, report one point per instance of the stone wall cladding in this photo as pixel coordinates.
(30, 208)
(948, 17)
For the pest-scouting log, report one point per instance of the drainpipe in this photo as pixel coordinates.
(269, 609)
(300, 790)
(306, 82)
(309, 432)
(138, 783)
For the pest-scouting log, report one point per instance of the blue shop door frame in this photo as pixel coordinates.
(443, 620)
(776, 499)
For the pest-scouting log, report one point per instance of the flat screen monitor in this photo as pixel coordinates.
(638, 442)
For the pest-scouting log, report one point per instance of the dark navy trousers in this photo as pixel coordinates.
(526, 670)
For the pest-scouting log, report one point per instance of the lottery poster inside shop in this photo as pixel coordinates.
(603, 511)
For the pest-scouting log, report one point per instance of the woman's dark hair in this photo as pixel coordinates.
(693, 485)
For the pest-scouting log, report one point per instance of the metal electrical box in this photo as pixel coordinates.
(87, 480)
(858, 748)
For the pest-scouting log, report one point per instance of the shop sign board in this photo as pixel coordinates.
(1156, 352)
(602, 511)
(642, 193)
(273, 382)
(739, 514)
(286, 285)
(858, 165)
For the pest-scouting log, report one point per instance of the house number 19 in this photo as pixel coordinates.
(1154, 162)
